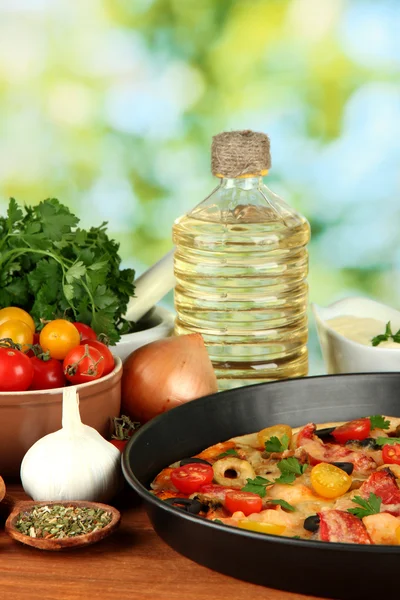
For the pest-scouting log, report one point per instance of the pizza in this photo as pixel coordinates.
(333, 482)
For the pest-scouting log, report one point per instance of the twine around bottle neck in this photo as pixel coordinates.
(236, 154)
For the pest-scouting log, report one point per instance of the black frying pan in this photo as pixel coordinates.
(331, 570)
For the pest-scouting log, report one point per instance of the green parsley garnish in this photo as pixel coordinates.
(372, 506)
(274, 444)
(53, 269)
(382, 441)
(289, 468)
(384, 337)
(284, 504)
(296, 537)
(286, 478)
(291, 465)
(257, 485)
(218, 521)
(230, 452)
(379, 422)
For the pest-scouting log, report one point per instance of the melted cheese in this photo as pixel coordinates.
(382, 528)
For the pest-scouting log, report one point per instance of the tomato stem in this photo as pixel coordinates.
(8, 343)
(124, 427)
(92, 369)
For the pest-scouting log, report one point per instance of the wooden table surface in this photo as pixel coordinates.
(132, 563)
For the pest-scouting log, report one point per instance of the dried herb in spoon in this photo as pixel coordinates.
(58, 521)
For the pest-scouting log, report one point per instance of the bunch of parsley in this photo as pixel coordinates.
(53, 269)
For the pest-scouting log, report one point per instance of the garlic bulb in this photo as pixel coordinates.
(74, 463)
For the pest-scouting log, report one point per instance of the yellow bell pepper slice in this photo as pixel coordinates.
(259, 527)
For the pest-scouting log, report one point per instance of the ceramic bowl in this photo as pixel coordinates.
(342, 355)
(25, 417)
(158, 323)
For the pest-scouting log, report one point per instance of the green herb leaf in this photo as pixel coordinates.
(56, 219)
(274, 444)
(230, 452)
(14, 214)
(257, 485)
(98, 266)
(291, 466)
(388, 329)
(284, 504)
(372, 506)
(286, 478)
(218, 521)
(379, 422)
(382, 441)
(68, 290)
(384, 337)
(76, 271)
(378, 339)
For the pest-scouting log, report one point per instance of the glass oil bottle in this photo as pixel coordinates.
(240, 265)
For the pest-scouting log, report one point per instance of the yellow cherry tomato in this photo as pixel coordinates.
(329, 481)
(275, 431)
(398, 534)
(272, 528)
(17, 331)
(59, 337)
(12, 313)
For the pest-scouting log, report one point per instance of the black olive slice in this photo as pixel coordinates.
(311, 523)
(188, 461)
(325, 433)
(192, 506)
(367, 443)
(347, 467)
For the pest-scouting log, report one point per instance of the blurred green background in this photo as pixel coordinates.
(110, 106)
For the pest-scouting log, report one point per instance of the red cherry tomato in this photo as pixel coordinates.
(85, 332)
(16, 371)
(83, 364)
(246, 502)
(191, 477)
(109, 362)
(47, 374)
(391, 454)
(353, 430)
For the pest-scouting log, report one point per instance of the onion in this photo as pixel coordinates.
(2, 489)
(164, 374)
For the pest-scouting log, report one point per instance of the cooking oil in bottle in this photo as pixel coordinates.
(240, 266)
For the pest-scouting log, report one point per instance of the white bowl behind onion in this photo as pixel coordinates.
(157, 324)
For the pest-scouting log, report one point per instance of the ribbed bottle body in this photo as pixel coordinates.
(243, 286)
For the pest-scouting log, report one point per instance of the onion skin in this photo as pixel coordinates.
(165, 374)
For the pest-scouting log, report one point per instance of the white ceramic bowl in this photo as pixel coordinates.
(158, 323)
(342, 355)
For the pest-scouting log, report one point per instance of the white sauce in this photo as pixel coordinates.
(362, 330)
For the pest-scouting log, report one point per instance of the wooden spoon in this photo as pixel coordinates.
(62, 543)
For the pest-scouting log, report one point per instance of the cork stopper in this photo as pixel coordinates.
(240, 154)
